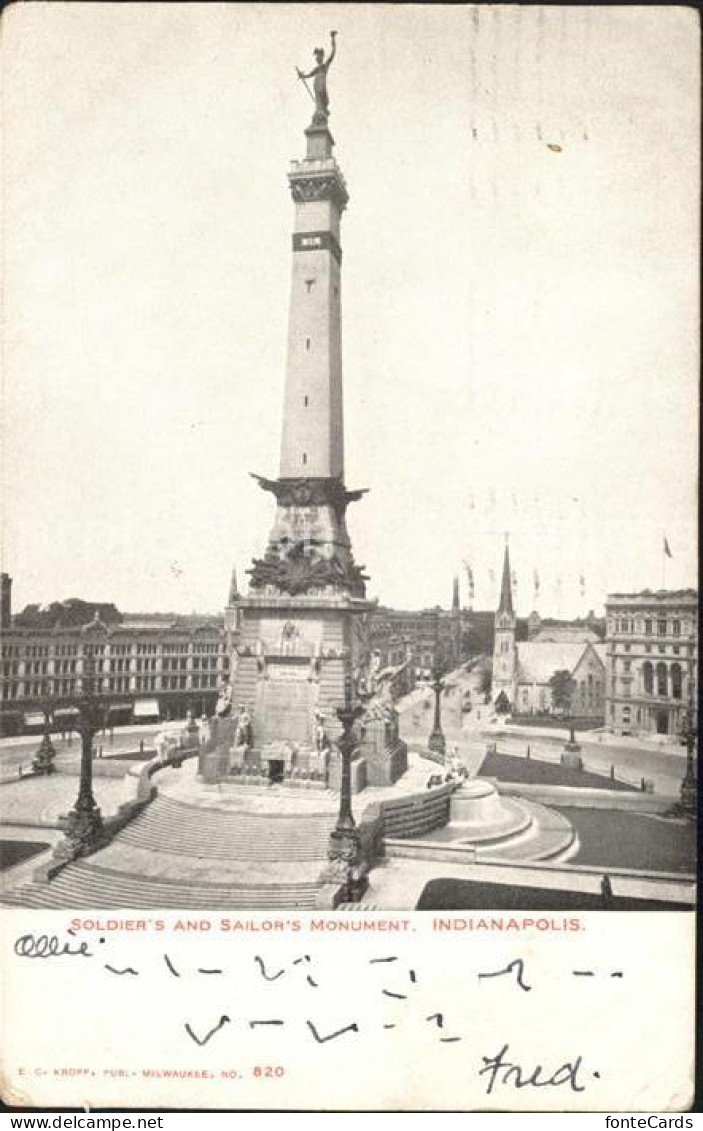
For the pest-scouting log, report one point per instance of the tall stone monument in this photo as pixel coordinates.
(299, 637)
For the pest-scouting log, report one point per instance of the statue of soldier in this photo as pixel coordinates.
(242, 731)
(319, 76)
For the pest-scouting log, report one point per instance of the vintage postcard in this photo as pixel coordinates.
(349, 606)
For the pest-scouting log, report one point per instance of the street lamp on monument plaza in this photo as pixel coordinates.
(689, 785)
(84, 823)
(344, 850)
(43, 762)
(344, 847)
(437, 741)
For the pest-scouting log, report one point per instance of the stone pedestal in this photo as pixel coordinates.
(385, 753)
(358, 773)
(476, 802)
(293, 664)
(571, 755)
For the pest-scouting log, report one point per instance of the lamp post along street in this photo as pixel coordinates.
(43, 762)
(437, 742)
(689, 785)
(85, 822)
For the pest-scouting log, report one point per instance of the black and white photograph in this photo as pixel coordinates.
(350, 429)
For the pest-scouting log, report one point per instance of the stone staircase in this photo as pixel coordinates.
(270, 860)
(87, 885)
(234, 835)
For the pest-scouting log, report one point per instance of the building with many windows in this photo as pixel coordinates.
(159, 665)
(147, 667)
(652, 657)
(417, 639)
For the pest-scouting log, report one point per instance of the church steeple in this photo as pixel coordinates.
(506, 588)
(505, 657)
(233, 587)
(455, 596)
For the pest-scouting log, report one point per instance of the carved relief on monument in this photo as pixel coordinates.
(330, 187)
(300, 571)
(297, 638)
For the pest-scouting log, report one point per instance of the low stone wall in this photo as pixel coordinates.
(429, 850)
(414, 814)
(663, 886)
(102, 767)
(371, 834)
(585, 798)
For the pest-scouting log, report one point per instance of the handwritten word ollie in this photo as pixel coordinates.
(49, 946)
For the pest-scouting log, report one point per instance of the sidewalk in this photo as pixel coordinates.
(598, 735)
(12, 741)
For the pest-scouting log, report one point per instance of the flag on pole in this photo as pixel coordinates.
(470, 579)
(667, 548)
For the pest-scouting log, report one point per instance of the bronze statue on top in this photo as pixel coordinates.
(319, 76)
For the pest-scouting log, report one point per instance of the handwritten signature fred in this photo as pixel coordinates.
(496, 1070)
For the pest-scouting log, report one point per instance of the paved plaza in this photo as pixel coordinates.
(228, 844)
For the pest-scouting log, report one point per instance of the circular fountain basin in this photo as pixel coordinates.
(478, 813)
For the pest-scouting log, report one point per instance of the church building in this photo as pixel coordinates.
(523, 670)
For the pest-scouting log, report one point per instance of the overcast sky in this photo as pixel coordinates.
(519, 294)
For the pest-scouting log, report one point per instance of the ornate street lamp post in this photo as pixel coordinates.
(437, 741)
(689, 785)
(344, 851)
(85, 822)
(346, 743)
(43, 762)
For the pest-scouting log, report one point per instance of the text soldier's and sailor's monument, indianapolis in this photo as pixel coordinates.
(299, 638)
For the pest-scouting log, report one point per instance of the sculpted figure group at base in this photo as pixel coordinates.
(242, 728)
(224, 699)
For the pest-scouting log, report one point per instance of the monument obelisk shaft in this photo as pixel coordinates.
(300, 635)
(312, 442)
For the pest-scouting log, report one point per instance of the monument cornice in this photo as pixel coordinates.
(324, 184)
(318, 602)
(310, 491)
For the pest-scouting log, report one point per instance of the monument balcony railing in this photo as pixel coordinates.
(302, 650)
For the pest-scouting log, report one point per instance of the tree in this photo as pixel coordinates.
(502, 704)
(486, 681)
(563, 688)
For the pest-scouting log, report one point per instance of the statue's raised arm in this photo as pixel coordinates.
(333, 50)
(319, 76)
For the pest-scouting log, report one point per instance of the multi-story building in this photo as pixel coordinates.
(420, 638)
(159, 665)
(652, 658)
(146, 666)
